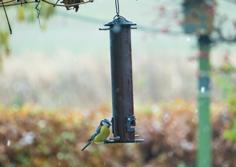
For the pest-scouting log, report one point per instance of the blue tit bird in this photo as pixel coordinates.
(101, 134)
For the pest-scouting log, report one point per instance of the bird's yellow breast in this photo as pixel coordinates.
(104, 133)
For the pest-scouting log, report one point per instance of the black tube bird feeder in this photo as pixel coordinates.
(123, 119)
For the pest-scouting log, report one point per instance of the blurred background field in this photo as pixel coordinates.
(63, 59)
(55, 88)
(70, 80)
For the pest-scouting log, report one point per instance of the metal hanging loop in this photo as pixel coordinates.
(117, 4)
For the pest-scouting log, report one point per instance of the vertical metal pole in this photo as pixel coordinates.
(204, 154)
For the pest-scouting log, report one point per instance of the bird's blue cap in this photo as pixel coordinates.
(106, 121)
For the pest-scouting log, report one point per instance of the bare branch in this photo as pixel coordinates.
(15, 3)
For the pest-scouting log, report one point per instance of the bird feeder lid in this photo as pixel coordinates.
(120, 20)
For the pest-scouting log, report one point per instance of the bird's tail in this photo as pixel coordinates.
(86, 146)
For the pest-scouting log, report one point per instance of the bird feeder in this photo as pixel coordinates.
(198, 16)
(123, 119)
(74, 4)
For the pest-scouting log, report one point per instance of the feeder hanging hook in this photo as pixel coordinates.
(117, 8)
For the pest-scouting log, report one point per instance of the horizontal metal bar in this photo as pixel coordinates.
(118, 141)
(104, 29)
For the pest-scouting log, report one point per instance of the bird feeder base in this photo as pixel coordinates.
(113, 141)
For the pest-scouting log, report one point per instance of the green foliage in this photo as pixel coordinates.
(47, 11)
(232, 102)
(4, 45)
(21, 13)
(28, 13)
(226, 84)
(230, 134)
(4, 41)
(227, 68)
(228, 87)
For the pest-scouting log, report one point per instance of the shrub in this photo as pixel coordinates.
(31, 136)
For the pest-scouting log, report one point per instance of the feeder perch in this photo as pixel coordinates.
(123, 119)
